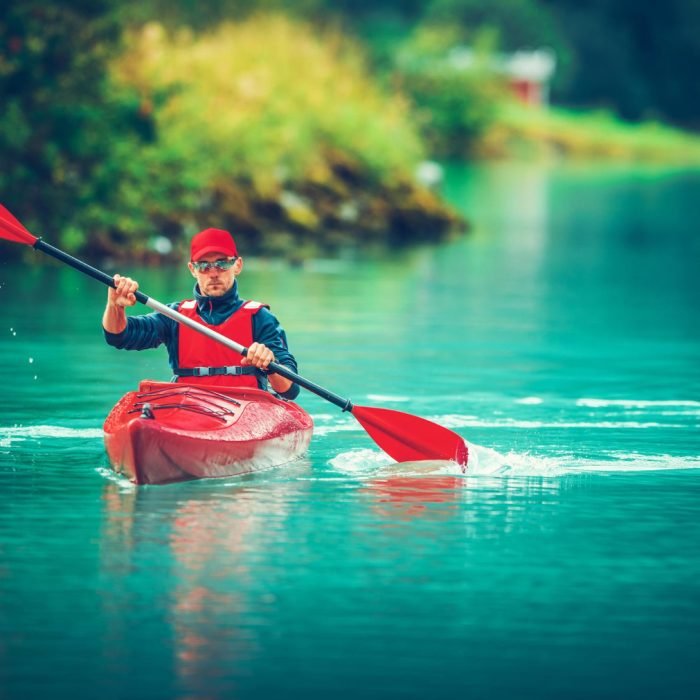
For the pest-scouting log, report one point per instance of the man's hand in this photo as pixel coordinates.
(124, 294)
(259, 356)
(114, 318)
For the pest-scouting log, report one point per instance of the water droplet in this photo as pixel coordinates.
(31, 359)
(36, 376)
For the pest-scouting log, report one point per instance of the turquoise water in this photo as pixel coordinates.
(560, 338)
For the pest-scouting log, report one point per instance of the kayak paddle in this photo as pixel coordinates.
(404, 437)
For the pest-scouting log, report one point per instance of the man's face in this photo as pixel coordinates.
(212, 280)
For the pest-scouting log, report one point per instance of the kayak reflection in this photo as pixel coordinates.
(184, 555)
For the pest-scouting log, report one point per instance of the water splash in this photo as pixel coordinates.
(452, 421)
(530, 401)
(484, 461)
(20, 433)
(122, 482)
(387, 398)
(550, 413)
(635, 403)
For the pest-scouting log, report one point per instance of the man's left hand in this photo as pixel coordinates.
(259, 356)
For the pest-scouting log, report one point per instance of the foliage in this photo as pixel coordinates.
(103, 160)
(638, 58)
(557, 132)
(519, 24)
(267, 99)
(614, 55)
(103, 143)
(61, 123)
(455, 103)
(208, 14)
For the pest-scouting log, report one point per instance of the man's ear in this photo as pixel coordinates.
(238, 266)
(191, 267)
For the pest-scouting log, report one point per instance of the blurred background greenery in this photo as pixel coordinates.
(312, 128)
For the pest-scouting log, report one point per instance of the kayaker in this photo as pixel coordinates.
(195, 358)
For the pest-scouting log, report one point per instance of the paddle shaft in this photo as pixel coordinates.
(275, 367)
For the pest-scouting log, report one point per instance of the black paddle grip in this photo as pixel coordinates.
(82, 266)
(314, 388)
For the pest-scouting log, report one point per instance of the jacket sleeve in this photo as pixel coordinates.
(267, 330)
(143, 332)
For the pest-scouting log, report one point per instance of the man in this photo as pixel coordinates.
(195, 358)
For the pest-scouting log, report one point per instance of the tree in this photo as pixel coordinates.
(637, 58)
(60, 122)
(520, 24)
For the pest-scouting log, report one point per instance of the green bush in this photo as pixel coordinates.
(456, 100)
(601, 135)
(267, 99)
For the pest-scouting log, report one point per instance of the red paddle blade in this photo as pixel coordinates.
(409, 438)
(11, 229)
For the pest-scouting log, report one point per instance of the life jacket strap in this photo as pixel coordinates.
(233, 370)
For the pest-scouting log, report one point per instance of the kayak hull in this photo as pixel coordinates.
(167, 432)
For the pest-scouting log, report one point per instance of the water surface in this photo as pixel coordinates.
(560, 338)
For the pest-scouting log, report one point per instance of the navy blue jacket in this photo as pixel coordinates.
(150, 330)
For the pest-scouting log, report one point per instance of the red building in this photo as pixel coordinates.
(529, 73)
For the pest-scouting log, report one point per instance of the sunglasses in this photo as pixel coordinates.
(217, 264)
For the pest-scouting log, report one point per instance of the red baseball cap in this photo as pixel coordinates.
(212, 240)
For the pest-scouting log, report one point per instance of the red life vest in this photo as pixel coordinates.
(197, 350)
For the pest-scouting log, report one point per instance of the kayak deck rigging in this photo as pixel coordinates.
(202, 402)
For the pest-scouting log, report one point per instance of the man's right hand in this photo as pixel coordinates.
(114, 317)
(124, 293)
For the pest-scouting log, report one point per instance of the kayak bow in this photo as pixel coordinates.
(167, 432)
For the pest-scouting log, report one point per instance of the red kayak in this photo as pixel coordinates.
(167, 432)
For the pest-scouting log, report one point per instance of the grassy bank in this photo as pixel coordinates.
(519, 131)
